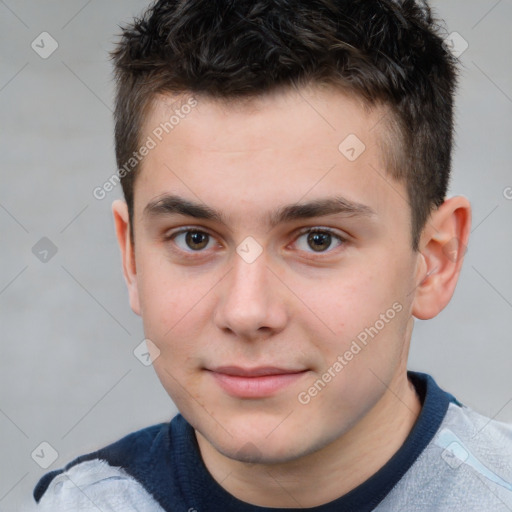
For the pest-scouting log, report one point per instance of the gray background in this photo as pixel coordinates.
(68, 375)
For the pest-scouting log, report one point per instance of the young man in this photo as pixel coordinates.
(285, 167)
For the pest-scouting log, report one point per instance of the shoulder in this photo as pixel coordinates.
(475, 453)
(95, 485)
(477, 440)
(110, 473)
(466, 467)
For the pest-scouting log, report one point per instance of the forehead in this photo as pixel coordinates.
(320, 114)
(286, 145)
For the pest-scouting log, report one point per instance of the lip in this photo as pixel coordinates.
(257, 382)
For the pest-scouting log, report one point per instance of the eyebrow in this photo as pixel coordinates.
(170, 204)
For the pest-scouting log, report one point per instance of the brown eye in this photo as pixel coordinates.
(196, 240)
(190, 240)
(319, 240)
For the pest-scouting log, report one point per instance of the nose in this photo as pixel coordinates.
(251, 300)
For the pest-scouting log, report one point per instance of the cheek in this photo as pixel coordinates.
(361, 312)
(166, 303)
(344, 305)
(176, 311)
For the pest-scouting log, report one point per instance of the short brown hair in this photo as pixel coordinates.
(387, 52)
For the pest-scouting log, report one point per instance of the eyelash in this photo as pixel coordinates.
(314, 229)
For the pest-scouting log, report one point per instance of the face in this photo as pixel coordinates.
(275, 323)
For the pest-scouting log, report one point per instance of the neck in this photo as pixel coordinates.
(331, 472)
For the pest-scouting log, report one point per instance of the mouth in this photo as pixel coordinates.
(257, 382)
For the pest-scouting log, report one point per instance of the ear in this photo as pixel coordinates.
(122, 224)
(442, 247)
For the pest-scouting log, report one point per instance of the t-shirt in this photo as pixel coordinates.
(454, 460)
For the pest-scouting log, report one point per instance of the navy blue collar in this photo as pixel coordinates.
(166, 459)
(363, 498)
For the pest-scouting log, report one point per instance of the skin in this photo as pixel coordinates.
(293, 306)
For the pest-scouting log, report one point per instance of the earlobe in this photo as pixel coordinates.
(442, 248)
(122, 226)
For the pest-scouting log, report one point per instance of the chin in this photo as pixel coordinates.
(249, 452)
(255, 442)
